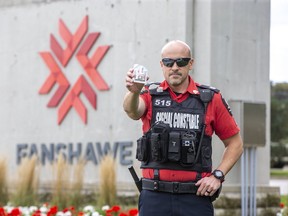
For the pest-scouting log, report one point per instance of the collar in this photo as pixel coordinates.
(192, 87)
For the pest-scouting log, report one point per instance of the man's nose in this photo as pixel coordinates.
(175, 66)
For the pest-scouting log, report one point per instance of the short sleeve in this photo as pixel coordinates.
(146, 118)
(220, 118)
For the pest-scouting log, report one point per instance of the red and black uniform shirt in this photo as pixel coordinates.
(218, 119)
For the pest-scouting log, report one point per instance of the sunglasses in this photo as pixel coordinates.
(181, 62)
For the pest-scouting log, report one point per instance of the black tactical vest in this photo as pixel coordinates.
(176, 139)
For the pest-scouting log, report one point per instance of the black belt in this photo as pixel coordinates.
(171, 187)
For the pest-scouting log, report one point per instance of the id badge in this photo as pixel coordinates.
(141, 74)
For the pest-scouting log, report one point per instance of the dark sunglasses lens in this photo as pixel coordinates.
(182, 62)
(168, 62)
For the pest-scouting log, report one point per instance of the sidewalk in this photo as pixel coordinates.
(282, 183)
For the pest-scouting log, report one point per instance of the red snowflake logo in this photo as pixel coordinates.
(70, 96)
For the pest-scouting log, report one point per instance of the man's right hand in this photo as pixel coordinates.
(133, 105)
(132, 86)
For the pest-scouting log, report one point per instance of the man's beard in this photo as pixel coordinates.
(177, 81)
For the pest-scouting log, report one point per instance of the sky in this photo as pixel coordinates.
(279, 41)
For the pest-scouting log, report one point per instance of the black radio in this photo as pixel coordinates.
(188, 148)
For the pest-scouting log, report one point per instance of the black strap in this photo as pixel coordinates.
(200, 143)
(198, 176)
(206, 96)
(156, 174)
(170, 187)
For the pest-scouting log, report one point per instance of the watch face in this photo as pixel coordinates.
(218, 173)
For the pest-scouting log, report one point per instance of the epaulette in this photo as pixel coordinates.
(209, 87)
(152, 83)
(149, 86)
(143, 91)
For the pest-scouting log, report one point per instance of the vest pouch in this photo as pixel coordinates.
(188, 149)
(174, 152)
(206, 153)
(159, 142)
(155, 147)
(142, 149)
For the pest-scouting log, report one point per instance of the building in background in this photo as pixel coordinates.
(63, 65)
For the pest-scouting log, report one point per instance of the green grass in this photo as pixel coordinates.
(284, 200)
(279, 173)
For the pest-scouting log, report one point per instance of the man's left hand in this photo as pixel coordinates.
(208, 186)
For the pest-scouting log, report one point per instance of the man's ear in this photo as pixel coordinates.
(191, 62)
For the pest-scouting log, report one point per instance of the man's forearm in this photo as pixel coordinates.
(131, 105)
(232, 153)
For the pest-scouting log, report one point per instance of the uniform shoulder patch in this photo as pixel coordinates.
(226, 105)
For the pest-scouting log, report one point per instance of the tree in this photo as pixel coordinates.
(279, 112)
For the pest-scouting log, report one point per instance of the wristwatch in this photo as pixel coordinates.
(219, 175)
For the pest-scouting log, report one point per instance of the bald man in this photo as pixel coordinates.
(179, 118)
